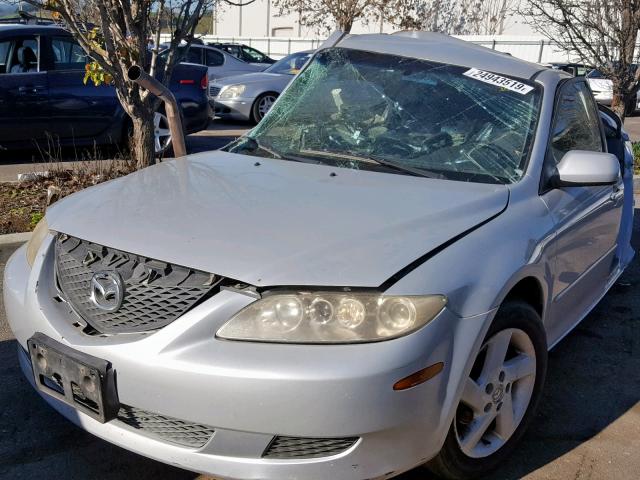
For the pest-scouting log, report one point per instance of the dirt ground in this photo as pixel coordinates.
(588, 427)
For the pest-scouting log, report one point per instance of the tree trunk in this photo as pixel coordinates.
(346, 24)
(143, 139)
(620, 99)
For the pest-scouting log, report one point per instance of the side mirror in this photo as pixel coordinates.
(584, 168)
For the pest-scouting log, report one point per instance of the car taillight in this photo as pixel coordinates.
(187, 82)
(204, 82)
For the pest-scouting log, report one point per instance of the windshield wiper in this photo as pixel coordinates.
(253, 144)
(418, 172)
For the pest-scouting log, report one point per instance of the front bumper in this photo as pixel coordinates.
(236, 109)
(251, 392)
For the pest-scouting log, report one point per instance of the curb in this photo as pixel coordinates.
(14, 238)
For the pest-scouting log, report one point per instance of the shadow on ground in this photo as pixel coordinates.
(594, 378)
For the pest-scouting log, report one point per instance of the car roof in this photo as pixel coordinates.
(31, 29)
(441, 48)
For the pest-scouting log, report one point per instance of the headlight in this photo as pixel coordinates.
(232, 91)
(37, 237)
(327, 317)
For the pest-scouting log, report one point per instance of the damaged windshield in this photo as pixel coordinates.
(357, 109)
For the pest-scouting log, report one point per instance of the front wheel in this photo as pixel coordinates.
(262, 105)
(499, 396)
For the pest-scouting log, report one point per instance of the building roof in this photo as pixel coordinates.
(442, 48)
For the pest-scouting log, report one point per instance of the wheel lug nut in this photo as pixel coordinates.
(499, 406)
(501, 376)
(487, 407)
(489, 388)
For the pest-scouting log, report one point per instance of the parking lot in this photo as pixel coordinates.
(587, 428)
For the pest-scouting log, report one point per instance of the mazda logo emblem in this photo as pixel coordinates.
(107, 291)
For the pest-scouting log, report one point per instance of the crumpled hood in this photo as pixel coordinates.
(272, 222)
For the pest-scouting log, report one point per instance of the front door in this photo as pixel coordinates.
(587, 218)
(24, 90)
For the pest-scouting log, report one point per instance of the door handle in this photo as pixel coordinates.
(29, 89)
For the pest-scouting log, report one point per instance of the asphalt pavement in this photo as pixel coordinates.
(588, 427)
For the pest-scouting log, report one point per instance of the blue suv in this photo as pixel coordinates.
(43, 97)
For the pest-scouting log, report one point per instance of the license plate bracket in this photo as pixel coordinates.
(85, 382)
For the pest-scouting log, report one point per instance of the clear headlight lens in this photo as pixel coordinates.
(328, 317)
(232, 91)
(37, 237)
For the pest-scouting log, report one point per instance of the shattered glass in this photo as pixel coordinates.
(364, 110)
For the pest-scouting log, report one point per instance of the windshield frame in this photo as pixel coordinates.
(528, 147)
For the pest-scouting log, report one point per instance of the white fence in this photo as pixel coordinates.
(531, 48)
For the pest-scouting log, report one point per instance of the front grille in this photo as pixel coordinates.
(165, 428)
(214, 91)
(155, 293)
(301, 447)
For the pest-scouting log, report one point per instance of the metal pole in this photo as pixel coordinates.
(138, 75)
(240, 22)
(540, 51)
(268, 18)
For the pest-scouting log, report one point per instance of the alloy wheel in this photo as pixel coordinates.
(265, 104)
(161, 132)
(496, 394)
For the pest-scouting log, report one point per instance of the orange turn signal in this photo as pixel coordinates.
(419, 377)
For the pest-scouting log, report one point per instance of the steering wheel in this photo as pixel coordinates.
(392, 145)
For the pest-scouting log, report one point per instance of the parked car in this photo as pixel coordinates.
(250, 96)
(220, 63)
(368, 280)
(245, 53)
(43, 97)
(574, 69)
(602, 89)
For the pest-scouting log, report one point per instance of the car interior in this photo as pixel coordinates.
(19, 56)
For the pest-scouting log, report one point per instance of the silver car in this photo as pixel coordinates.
(220, 63)
(368, 281)
(251, 96)
(602, 89)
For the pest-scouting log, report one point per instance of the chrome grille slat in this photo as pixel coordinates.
(214, 91)
(303, 447)
(165, 428)
(156, 293)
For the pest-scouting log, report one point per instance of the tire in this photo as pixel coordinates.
(162, 134)
(262, 105)
(461, 458)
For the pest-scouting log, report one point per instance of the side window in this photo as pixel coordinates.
(67, 54)
(252, 55)
(5, 47)
(214, 59)
(19, 55)
(576, 125)
(194, 55)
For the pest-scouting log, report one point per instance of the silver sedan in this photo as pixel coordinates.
(368, 281)
(251, 96)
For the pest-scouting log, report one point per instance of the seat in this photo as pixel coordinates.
(27, 61)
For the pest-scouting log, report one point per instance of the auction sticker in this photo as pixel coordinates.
(498, 81)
